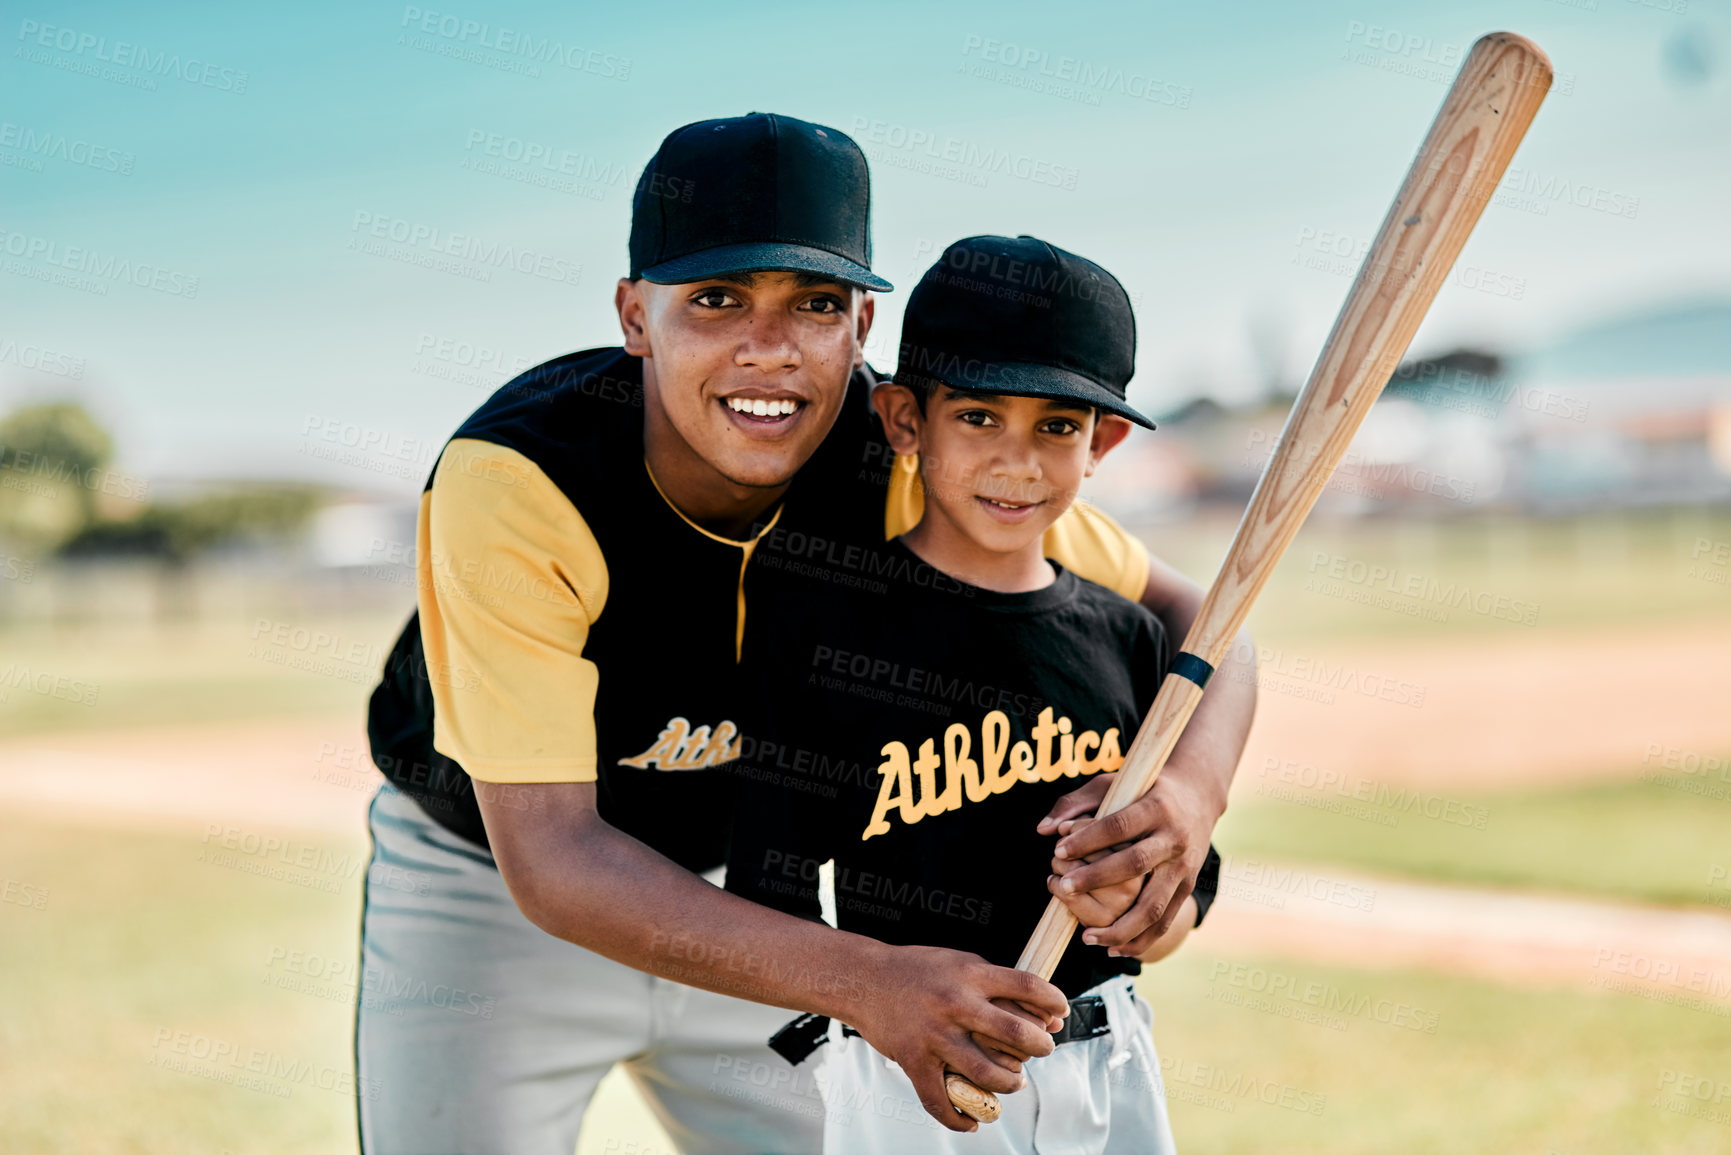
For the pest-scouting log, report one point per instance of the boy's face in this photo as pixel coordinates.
(998, 470)
(716, 351)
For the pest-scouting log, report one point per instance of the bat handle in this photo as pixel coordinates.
(1040, 957)
(1178, 698)
(980, 1106)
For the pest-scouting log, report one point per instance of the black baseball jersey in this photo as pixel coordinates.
(573, 626)
(914, 730)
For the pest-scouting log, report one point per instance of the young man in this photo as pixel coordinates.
(551, 719)
(1009, 401)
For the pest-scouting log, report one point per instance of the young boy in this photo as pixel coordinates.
(923, 705)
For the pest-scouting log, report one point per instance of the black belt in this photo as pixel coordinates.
(796, 1041)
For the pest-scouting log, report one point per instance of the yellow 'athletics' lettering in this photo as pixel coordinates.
(681, 748)
(1002, 766)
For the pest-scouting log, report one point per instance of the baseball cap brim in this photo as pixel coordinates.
(1023, 379)
(764, 257)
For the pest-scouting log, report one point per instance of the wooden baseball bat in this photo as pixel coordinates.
(1499, 89)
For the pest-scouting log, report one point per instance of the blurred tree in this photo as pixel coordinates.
(54, 468)
(53, 461)
(176, 530)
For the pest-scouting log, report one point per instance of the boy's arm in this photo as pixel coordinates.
(1168, 828)
(1096, 909)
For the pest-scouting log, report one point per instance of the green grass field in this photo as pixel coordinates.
(142, 952)
(137, 942)
(1638, 840)
(191, 673)
(1505, 1070)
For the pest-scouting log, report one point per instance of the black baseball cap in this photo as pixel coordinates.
(1021, 317)
(754, 193)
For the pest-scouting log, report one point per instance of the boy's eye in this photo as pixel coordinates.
(825, 303)
(1062, 426)
(975, 417)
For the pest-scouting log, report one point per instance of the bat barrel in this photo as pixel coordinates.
(1458, 167)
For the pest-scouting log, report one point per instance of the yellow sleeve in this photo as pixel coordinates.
(510, 579)
(1085, 541)
(1089, 543)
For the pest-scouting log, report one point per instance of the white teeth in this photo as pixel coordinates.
(758, 407)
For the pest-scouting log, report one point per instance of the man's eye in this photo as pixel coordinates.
(713, 298)
(1062, 427)
(825, 304)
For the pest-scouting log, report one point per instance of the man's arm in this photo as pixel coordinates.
(579, 879)
(1167, 830)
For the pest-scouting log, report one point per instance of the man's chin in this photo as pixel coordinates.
(764, 466)
(761, 471)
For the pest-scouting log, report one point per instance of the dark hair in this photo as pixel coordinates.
(920, 385)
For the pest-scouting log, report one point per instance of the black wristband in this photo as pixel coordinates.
(1207, 883)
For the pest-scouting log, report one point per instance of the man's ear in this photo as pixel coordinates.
(867, 310)
(900, 414)
(1109, 430)
(628, 302)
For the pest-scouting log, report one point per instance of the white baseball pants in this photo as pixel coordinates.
(1099, 1096)
(477, 1033)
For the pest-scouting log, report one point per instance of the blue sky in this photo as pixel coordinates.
(1237, 156)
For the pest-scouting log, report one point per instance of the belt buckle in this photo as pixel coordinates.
(1087, 1020)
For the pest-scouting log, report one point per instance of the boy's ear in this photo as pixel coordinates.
(900, 414)
(1109, 430)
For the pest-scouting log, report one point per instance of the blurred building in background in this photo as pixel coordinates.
(1632, 412)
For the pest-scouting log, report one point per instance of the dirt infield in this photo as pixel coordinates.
(298, 775)
(1471, 713)
(1499, 713)
(1328, 915)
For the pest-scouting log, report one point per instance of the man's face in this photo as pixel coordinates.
(749, 370)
